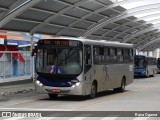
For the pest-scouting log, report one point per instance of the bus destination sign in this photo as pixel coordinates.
(59, 42)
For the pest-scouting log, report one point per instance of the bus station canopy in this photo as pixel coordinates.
(93, 19)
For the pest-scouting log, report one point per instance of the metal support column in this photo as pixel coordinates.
(32, 58)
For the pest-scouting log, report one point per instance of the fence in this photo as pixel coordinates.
(12, 68)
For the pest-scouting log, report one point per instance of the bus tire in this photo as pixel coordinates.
(53, 96)
(122, 88)
(93, 90)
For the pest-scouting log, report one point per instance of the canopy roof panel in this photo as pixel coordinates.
(94, 19)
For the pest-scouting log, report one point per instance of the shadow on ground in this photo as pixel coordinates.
(82, 98)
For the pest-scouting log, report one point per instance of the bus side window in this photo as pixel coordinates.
(88, 58)
(126, 55)
(146, 61)
(106, 55)
(113, 55)
(102, 54)
(119, 55)
(131, 55)
(97, 55)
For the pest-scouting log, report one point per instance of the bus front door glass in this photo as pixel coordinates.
(87, 68)
(88, 58)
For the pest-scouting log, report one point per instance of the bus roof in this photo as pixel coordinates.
(97, 42)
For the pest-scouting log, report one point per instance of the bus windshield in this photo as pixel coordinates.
(139, 62)
(59, 60)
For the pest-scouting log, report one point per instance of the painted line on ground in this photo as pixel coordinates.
(35, 109)
(141, 118)
(109, 118)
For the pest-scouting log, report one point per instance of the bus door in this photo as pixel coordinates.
(87, 68)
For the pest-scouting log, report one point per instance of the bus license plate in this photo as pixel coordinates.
(56, 90)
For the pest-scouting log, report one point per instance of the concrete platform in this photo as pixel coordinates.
(16, 87)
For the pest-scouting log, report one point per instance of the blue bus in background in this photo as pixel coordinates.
(158, 65)
(144, 66)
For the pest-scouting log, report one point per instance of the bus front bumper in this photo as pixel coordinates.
(74, 90)
(140, 73)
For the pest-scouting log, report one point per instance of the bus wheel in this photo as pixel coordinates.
(93, 91)
(122, 88)
(53, 96)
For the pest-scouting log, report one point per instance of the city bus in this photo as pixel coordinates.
(144, 66)
(78, 66)
(158, 65)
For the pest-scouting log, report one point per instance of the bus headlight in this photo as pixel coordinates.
(39, 83)
(73, 86)
(78, 83)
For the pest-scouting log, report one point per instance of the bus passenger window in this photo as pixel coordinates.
(97, 55)
(113, 57)
(102, 54)
(126, 55)
(106, 55)
(131, 55)
(119, 55)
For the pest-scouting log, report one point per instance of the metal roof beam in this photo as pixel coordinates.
(137, 26)
(128, 38)
(141, 18)
(87, 15)
(38, 27)
(155, 20)
(153, 46)
(147, 36)
(124, 2)
(142, 41)
(149, 43)
(123, 25)
(125, 14)
(157, 45)
(16, 9)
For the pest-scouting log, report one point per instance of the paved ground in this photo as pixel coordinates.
(142, 95)
(16, 89)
